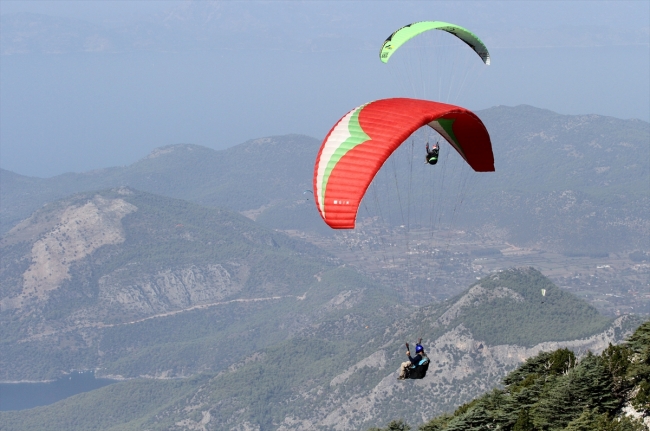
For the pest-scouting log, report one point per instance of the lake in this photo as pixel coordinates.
(20, 396)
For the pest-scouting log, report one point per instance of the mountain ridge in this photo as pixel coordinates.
(581, 174)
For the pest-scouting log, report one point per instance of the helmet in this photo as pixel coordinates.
(419, 348)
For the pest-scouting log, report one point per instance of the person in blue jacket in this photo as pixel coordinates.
(413, 361)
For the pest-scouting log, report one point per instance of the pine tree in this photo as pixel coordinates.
(558, 404)
(523, 422)
(593, 385)
(639, 371)
(587, 421)
(590, 420)
(399, 425)
(617, 362)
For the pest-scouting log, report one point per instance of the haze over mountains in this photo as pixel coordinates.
(215, 25)
(85, 88)
(566, 183)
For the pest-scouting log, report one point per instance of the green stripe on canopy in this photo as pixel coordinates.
(356, 136)
(406, 33)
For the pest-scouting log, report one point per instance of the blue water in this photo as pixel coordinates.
(20, 396)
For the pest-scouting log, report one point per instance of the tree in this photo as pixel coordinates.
(523, 422)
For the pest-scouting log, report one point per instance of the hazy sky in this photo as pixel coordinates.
(101, 83)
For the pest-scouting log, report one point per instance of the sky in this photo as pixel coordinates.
(102, 83)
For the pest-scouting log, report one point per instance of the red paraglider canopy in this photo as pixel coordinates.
(360, 142)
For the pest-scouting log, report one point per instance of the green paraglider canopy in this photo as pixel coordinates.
(406, 33)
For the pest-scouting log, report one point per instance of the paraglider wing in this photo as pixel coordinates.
(406, 33)
(360, 142)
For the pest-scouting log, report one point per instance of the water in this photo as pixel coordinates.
(20, 396)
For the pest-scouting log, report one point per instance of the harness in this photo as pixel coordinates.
(418, 371)
(422, 362)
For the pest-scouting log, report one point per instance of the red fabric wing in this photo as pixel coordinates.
(389, 123)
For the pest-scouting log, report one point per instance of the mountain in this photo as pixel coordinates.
(572, 183)
(564, 183)
(244, 177)
(540, 150)
(137, 284)
(338, 370)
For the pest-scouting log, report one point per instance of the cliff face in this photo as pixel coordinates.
(66, 235)
(168, 289)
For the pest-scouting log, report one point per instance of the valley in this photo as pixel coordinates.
(440, 264)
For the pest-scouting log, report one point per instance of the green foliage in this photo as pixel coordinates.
(524, 423)
(554, 317)
(587, 386)
(553, 391)
(561, 361)
(617, 360)
(590, 420)
(436, 424)
(638, 371)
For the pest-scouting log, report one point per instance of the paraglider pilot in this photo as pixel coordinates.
(432, 154)
(419, 352)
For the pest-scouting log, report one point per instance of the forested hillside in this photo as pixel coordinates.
(337, 368)
(557, 390)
